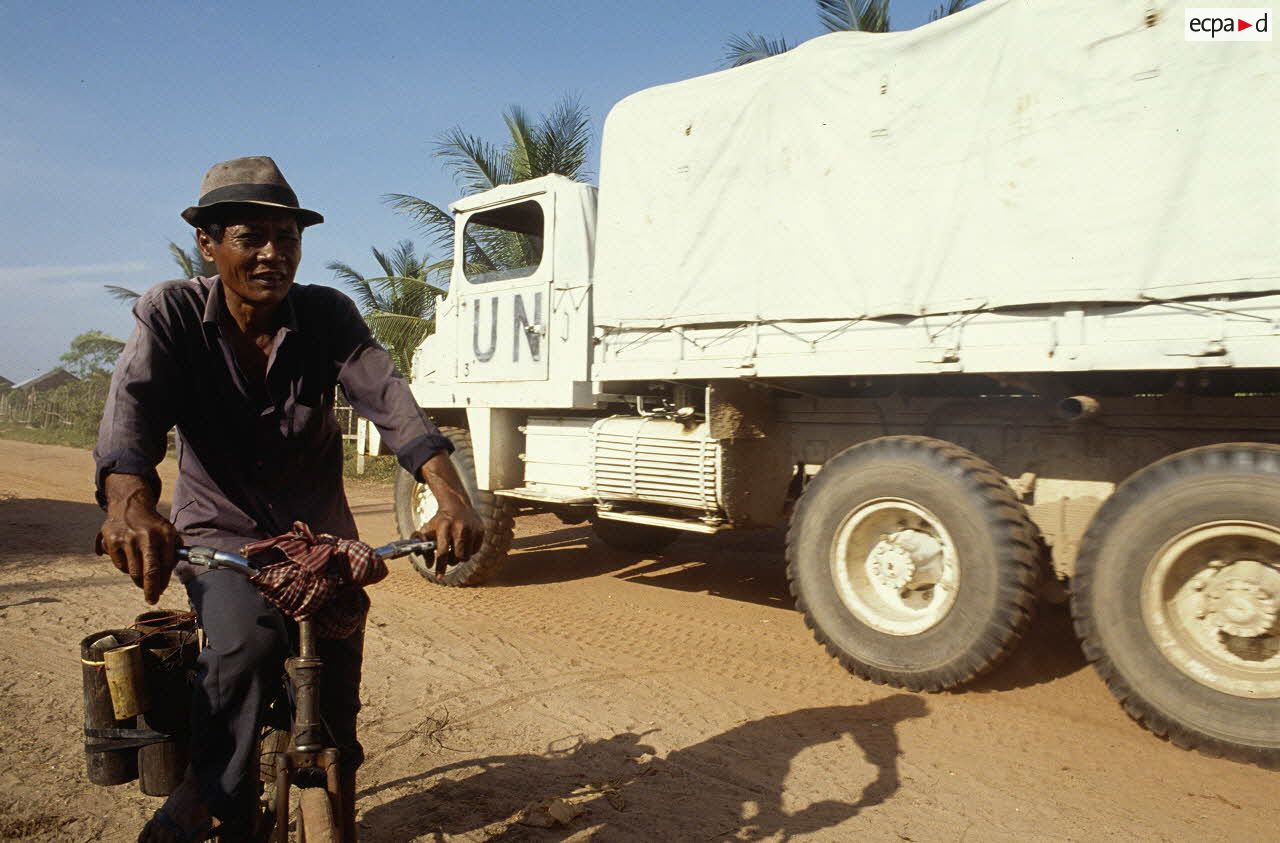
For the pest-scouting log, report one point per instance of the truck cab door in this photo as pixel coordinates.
(504, 265)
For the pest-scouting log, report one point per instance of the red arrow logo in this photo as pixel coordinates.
(1244, 24)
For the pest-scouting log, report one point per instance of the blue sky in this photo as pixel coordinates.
(111, 113)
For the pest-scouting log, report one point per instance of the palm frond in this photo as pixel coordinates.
(190, 261)
(360, 287)
(438, 223)
(404, 260)
(408, 283)
(474, 164)
(389, 318)
(431, 219)
(854, 15)
(748, 48)
(183, 260)
(122, 293)
(562, 139)
(948, 8)
(520, 152)
(438, 267)
(400, 334)
(383, 261)
(344, 272)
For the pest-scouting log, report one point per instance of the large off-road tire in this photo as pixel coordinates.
(913, 562)
(1176, 599)
(315, 816)
(633, 538)
(415, 505)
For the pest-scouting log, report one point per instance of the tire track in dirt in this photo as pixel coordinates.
(626, 632)
(705, 652)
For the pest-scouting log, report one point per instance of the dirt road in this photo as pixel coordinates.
(677, 698)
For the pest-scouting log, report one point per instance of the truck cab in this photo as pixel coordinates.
(515, 327)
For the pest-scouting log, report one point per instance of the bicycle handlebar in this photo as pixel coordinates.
(207, 557)
(403, 547)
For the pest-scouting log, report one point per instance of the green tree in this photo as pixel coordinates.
(556, 142)
(835, 16)
(92, 352)
(400, 304)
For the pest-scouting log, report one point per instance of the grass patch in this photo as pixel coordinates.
(376, 469)
(69, 436)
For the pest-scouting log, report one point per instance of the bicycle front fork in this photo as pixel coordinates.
(309, 749)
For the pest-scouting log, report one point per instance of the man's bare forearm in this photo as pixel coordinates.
(122, 489)
(456, 528)
(442, 479)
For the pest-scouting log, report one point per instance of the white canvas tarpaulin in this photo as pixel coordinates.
(1022, 152)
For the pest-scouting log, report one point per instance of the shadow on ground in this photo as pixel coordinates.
(1049, 651)
(750, 566)
(34, 530)
(746, 565)
(728, 786)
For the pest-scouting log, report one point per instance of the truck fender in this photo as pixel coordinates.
(496, 438)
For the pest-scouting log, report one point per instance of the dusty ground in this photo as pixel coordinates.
(677, 698)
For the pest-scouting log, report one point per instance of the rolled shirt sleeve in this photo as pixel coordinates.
(379, 393)
(139, 411)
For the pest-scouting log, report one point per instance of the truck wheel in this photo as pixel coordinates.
(913, 562)
(415, 505)
(1176, 599)
(633, 538)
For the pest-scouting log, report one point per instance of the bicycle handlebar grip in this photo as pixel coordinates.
(212, 559)
(403, 547)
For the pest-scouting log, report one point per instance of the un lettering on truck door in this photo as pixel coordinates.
(504, 335)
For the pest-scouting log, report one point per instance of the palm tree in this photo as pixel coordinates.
(835, 16)
(191, 264)
(554, 143)
(400, 304)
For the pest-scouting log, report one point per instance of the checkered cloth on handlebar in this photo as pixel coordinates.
(320, 577)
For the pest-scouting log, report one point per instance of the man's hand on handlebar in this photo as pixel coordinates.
(139, 541)
(456, 528)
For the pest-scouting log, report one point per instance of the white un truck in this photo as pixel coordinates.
(979, 310)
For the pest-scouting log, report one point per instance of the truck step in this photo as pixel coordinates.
(690, 525)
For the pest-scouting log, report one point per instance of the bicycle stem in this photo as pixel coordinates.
(304, 672)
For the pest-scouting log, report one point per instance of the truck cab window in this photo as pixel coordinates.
(504, 243)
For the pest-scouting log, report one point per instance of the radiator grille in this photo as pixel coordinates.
(673, 471)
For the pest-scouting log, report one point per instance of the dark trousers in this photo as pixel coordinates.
(239, 674)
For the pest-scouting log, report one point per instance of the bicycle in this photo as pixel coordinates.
(310, 761)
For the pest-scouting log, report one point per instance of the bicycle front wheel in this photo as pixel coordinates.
(315, 816)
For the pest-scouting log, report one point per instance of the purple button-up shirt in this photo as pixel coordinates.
(252, 461)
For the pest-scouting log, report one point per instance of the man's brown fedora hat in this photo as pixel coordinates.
(247, 181)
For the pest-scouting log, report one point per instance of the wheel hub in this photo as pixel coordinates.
(1235, 600)
(905, 560)
(890, 566)
(894, 567)
(1211, 599)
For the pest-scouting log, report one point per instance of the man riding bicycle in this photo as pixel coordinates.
(244, 364)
